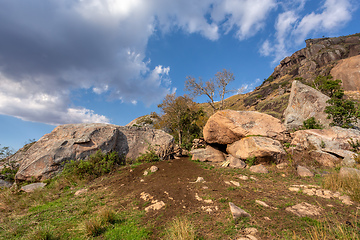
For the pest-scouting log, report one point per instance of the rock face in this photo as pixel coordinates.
(263, 148)
(228, 126)
(348, 70)
(305, 102)
(318, 56)
(46, 157)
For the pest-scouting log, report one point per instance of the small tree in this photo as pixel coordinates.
(210, 88)
(342, 111)
(182, 117)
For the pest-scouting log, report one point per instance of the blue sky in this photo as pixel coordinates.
(75, 61)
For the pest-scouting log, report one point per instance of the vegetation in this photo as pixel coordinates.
(96, 165)
(343, 112)
(210, 88)
(311, 123)
(5, 152)
(149, 156)
(180, 229)
(183, 118)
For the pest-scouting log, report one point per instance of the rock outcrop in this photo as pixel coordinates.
(348, 70)
(305, 102)
(47, 156)
(228, 126)
(335, 141)
(318, 56)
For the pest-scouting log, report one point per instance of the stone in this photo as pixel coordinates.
(348, 71)
(237, 184)
(237, 212)
(228, 126)
(4, 183)
(346, 172)
(324, 158)
(80, 192)
(261, 203)
(334, 140)
(199, 180)
(251, 231)
(235, 162)
(243, 177)
(262, 148)
(304, 209)
(349, 161)
(208, 154)
(32, 187)
(154, 207)
(304, 172)
(282, 165)
(305, 102)
(258, 169)
(154, 169)
(45, 158)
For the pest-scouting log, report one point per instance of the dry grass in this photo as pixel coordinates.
(93, 227)
(180, 229)
(348, 185)
(107, 216)
(334, 229)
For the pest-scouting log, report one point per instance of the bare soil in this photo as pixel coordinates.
(174, 184)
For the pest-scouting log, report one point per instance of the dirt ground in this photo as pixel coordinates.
(206, 204)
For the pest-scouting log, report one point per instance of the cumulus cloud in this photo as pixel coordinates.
(292, 26)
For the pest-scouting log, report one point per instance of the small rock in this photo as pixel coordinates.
(258, 169)
(304, 209)
(346, 200)
(235, 183)
(294, 189)
(32, 187)
(243, 177)
(251, 237)
(281, 165)
(304, 172)
(283, 175)
(4, 183)
(262, 203)
(81, 191)
(155, 206)
(146, 172)
(309, 191)
(235, 162)
(208, 201)
(142, 180)
(267, 218)
(199, 180)
(153, 169)
(227, 182)
(237, 212)
(209, 209)
(253, 178)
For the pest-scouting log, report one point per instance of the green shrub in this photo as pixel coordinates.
(311, 123)
(149, 156)
(9, 173)
(250, 161)
(96, 165)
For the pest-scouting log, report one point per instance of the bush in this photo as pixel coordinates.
(96, 165)
(9, 173)
(311, 123)
(149, 156)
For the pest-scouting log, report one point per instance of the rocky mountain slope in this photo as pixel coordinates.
(338, 56)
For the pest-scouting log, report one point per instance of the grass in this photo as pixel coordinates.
(348, 185)
(180, 229)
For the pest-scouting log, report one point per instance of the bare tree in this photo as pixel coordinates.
(209, 88)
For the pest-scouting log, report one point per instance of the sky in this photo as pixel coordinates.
(110, 61)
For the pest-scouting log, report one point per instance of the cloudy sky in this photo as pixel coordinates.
(76, 61)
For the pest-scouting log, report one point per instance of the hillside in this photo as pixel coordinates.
(319, 57)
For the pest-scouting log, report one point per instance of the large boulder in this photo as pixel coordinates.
(335, 141)
(228, 126)
(305, 102)
(47, 156)
(262, 148)
(348, 70)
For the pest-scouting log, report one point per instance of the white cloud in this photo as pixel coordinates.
(246, 16)
(294, 27)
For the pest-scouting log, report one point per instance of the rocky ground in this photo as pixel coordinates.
(282, 204)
